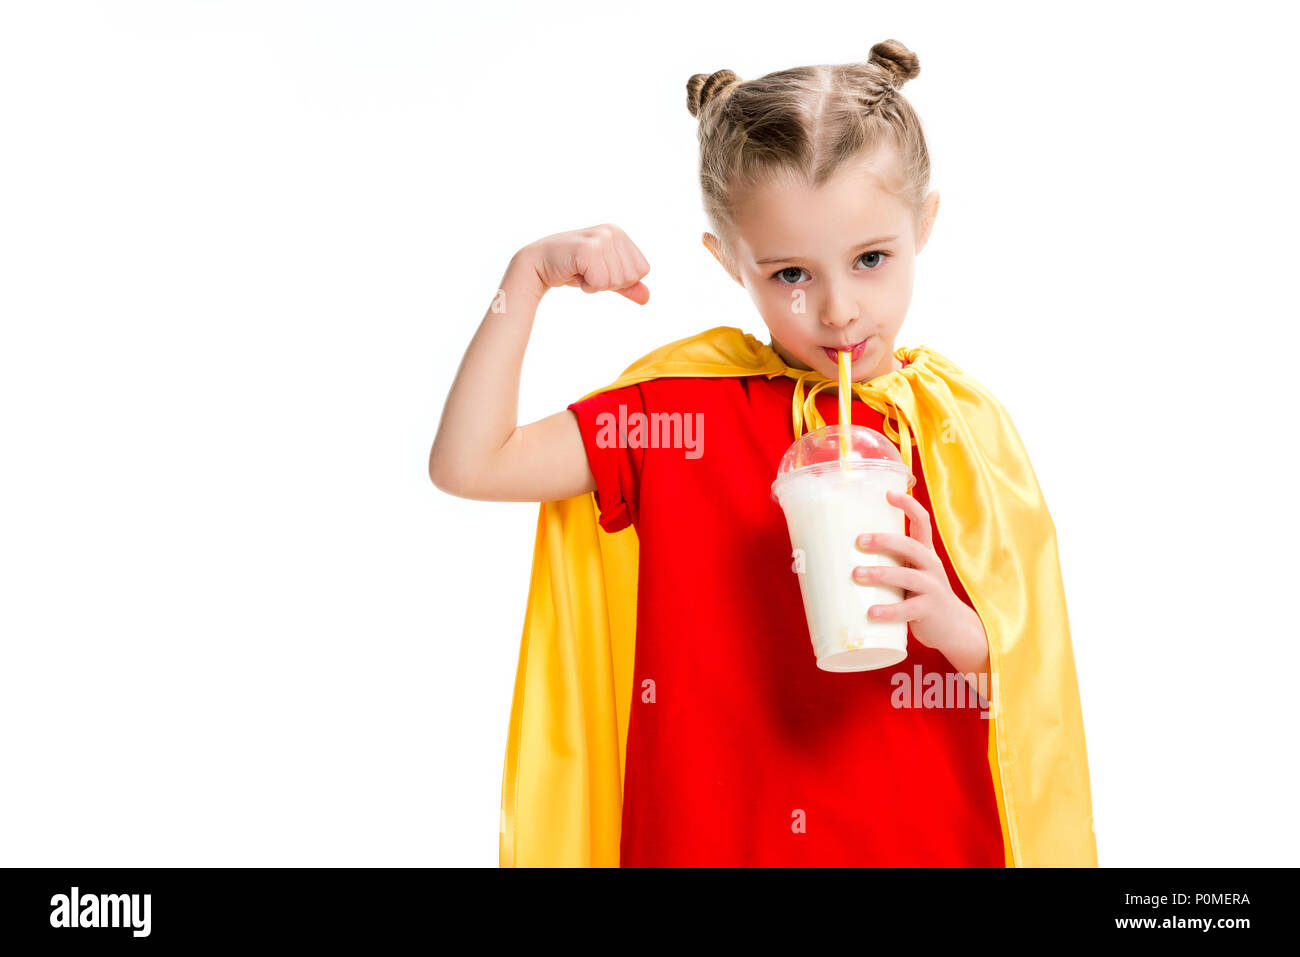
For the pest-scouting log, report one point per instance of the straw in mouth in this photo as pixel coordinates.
(846, 415)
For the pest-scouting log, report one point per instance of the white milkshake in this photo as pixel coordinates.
(828, 502)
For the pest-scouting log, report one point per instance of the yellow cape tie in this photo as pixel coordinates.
(805, 407)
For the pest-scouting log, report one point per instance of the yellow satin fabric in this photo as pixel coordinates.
(562, 787)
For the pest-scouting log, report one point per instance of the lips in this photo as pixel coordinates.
(858, 349)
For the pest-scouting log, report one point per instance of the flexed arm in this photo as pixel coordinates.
(480, 451)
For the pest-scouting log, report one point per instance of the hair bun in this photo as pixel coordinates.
(703, 87)
(897, 59)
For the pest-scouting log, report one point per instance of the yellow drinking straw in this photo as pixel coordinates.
(846, 416)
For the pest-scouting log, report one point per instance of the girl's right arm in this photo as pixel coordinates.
(480, 452)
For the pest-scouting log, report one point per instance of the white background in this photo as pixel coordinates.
(244, 246)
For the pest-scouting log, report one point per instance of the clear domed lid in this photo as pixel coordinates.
(820, 450)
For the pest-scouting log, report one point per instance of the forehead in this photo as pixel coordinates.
(857, 203)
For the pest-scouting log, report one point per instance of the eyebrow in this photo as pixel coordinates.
(786, 259)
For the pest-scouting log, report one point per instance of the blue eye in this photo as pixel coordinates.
(781, 277)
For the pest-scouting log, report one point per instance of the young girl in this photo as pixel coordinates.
(668, 709)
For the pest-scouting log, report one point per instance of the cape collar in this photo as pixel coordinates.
(728, 351)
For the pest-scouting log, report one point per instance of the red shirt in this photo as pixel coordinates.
(749, 754)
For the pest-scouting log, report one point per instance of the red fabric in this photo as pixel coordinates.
(745, 731)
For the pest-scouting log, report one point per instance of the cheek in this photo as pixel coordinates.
(893, 297)
(900, 284)
(886, 301)
(783, 306)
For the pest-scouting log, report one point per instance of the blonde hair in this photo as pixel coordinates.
(805, 122)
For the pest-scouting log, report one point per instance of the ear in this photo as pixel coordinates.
(712, 244)
(929, 211)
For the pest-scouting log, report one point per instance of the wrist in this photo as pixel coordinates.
(521, 279)
(967, 647)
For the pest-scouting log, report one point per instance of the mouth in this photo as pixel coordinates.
(858, 349)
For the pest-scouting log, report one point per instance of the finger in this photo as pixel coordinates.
(640, 259)
(618, 276)
(909, 610)
(591, 266)
(629, 272)
(911, 580)
(902, 546)
(918, 519)
(632, 255)
(637, 292)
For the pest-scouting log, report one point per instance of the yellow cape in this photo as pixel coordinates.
(561, 801)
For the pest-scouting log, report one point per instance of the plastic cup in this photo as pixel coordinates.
(830, 500)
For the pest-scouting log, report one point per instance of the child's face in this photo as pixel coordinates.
(809, 259)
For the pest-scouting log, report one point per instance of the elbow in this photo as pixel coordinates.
(443, 479)
(450, 478)
(436, 478)
(465, 476)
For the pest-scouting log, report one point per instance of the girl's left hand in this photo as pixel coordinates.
(937, 616)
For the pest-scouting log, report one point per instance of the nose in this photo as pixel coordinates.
(839, 310)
